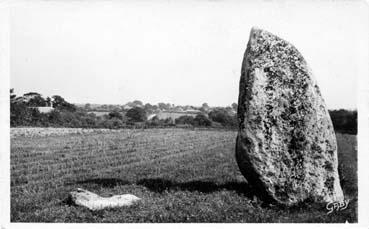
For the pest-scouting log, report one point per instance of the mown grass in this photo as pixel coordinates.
(181, 176)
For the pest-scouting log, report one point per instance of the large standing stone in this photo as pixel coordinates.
(286, 146)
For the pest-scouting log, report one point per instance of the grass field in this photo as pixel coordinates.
(181, 176)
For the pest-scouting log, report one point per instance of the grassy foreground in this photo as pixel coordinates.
(181, 176)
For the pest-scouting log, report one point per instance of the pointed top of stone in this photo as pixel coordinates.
(255, 29)
(257, 32)
(278, 52)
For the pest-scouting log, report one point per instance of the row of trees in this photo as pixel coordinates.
(65, 114)
(24, 112)
(216, 118)
(154, 108)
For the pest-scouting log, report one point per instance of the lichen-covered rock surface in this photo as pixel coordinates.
(286, 146)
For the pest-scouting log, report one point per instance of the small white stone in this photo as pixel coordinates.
(94, 202)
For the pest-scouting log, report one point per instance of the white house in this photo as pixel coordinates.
(45, 109)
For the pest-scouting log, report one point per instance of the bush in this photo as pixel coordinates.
(59, 103)
(90, 121)
(223, 117)
(185, 119)
(136, 114)
(115, 114)
(201, 120)
(168, 122)
(154, 122)
(37, 118)
(113, 123)
(216, 125)
(54, 118)
(20, 115)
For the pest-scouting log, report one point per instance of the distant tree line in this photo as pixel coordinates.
(24, 112)
(344, 121)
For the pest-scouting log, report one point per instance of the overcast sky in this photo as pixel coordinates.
(186, 52)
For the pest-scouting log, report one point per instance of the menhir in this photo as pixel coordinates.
(286, 146)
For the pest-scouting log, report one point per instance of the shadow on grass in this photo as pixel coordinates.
(307, 211)
(160, 185)
(105, 182)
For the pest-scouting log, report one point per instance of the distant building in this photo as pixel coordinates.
(43, 109)
(151, 116)
(174, 114)
(190, 111)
